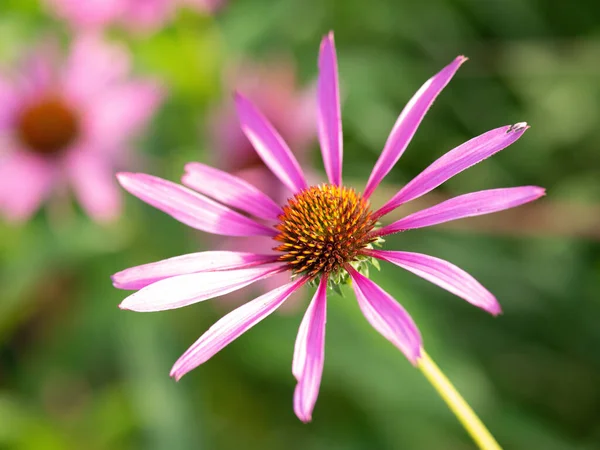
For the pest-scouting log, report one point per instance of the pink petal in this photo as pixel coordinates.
(309, 354)
(121, 112)
(9, 104)
(231, 326)
(94, 65)
(184, 290)
(408, 122)
(387, 316)
(468, 205)
(149, 15)
(38, 73)
(95, 186)
(89, 13)
(444, 274)
(191, 208)
(206, 6)
(269, 145)
(330, 118)
(230, 190)
(454, 162)
(139, 277)
(25, 181)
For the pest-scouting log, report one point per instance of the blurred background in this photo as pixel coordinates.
(78, 373)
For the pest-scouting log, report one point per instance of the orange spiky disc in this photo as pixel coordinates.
(322, 228)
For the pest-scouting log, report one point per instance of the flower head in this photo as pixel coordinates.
(70, 124)
(325, 234)
(136, 14)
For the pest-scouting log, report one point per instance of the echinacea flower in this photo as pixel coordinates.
(136, 14)
(70, 124)
(273, 87)
(326, 234)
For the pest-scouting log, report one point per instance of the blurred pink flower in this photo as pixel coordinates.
(70, 124)
(136, 14)
(273, 87)
(325, 234)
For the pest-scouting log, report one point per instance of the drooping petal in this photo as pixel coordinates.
(184, 290)
(269, 145)
(9, 101)
(444, 274)
(38, 74)
(454, 162)
(88, 14)
(309, 354)
(387, 316)
(230, 190)
(93, 65)
(468, 205)
(141, 276)
(148, 15)
(95, 186)
(25, 181)
(231, 326)
(121, 112)
(191, 208)
(329, 123)
(408, 122)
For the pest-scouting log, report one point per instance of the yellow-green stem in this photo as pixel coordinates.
(457, 404)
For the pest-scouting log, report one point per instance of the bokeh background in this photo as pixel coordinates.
(78, 373)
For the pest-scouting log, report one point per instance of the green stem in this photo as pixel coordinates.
(457, 404)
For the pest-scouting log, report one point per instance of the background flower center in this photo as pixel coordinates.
(322, 228)
(48, 126)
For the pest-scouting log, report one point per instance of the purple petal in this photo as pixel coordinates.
(139, 277)
(231, 326)
(93, 66)
(309, 354)
(444, 274)
(191, 208)
(408, 122)
(468, 205)
(9, 100)
(95, 186)
(387, 316)
(25, 182)
(230, 190)
(122, 112)
(329, 123)
(454, 162)
(269, 145)
(184, 290)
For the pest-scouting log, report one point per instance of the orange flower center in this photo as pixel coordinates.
(48, 127)
(322, 228)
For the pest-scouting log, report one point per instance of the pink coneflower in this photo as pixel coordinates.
(70, 124)
(136, 14)
(325, 234)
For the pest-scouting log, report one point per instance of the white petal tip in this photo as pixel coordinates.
(124, 307)
(126, 178)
